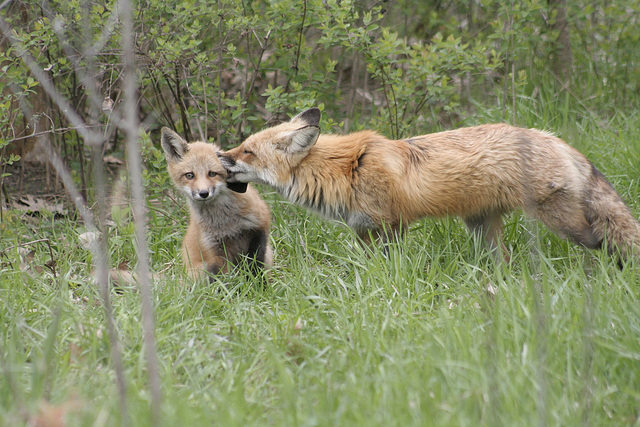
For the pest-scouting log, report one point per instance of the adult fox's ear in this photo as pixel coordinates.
(310, 117)
(303, 138)
(173, 145)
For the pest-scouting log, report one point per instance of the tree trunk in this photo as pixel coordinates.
(561, 56)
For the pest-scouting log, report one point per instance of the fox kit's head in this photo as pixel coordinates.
(268, 156)
(195, 168)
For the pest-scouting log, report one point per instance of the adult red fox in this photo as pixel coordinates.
(228, 222)
(478, 173)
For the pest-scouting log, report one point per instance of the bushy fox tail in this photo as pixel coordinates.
(591, 214)
(610, 219)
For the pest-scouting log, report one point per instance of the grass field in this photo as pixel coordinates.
(432, 334)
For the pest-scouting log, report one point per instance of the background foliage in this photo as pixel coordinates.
(221, 70)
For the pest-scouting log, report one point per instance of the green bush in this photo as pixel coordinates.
(222, 70)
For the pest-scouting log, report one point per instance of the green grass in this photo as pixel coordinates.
(433, 334)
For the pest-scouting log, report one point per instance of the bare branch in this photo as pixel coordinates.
(45, 132)
(134, 163)
(100, 257)
(5, 4)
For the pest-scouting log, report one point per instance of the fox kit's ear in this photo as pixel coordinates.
(173, 145)
(311, 117)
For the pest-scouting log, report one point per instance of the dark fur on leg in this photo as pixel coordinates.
(257, 251)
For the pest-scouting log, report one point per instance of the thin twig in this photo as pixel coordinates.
(49, 131)
(48, 242)
(299, 47)
(134, 165)
(19, 245)
(263, 48)
(394, 119)
(219, 89)
(8, 260)
(52, 267)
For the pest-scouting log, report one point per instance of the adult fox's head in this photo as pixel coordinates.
(195, 168)
(270, 155)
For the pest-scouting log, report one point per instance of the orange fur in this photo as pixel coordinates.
(477, 173)
(224, 225)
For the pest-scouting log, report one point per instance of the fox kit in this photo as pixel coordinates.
(228, 221)
(478, 173)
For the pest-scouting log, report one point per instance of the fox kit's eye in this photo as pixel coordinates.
(212, 174)
(189, 175)
(247, 152)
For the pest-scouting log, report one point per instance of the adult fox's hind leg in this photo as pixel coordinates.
(488, 227)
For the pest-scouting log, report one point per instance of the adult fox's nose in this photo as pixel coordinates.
(203, 194)
(227, 162)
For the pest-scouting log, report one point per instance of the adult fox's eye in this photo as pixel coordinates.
(248, 152)
(212, 174)
(189, 175)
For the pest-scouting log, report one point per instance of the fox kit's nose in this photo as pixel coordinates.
(203, 194)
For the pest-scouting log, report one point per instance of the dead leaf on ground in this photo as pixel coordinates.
(27, 260)
(491, 290)
(122, 278)
(36, 205)
(112, 160)
(88, 239)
